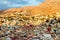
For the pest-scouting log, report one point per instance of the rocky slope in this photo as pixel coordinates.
(48, 8)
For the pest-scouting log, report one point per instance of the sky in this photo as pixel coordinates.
(6, 4)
